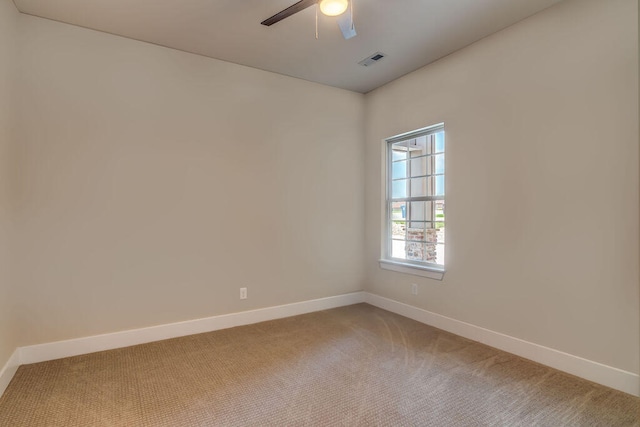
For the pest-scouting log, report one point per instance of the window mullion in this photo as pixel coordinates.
(407, 203)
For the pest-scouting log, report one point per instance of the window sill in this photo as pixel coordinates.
(416, 270)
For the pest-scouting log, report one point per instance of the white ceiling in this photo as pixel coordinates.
(412, 33)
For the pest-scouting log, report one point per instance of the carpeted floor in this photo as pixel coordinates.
(351, 366)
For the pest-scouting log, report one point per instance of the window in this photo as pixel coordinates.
(415, 205)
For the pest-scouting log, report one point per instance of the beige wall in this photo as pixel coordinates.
(542, 180)
(8, 33)
(154, 184)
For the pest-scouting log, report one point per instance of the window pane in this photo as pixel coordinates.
(398, 210)
(432, 235)
(417, 152)
(423, 243)
(398, 249)
(438, 207)
(419, 187)
(415, 231)
(426, 211)
(425, 186)
(429, 148)
(439, 254)
(399, 170)
(399, 188)
(419, 166)
(430, 252)
(421, 225)
(398, 225)
(398, 229)
(418, 212)
(416, 251)
(438, 163)
(398, 155)
(399, 151)
(438, 185)
(427, 165)
(439, 143)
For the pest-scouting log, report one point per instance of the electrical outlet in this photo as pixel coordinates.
(414, 289)
(243, 293)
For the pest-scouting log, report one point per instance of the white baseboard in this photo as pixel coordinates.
(612, 377)
(56, 350)
(9, 370)
(618, 379)
(74, 347)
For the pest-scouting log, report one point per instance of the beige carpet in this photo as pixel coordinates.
(351, 366)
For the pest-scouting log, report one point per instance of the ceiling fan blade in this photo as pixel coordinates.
(346, 26)
(293, 9)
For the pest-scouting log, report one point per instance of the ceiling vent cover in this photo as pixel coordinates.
(372, 59)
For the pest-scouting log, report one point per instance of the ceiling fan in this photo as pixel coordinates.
(327, 7)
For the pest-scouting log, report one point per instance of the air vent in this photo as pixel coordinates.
(372, 59)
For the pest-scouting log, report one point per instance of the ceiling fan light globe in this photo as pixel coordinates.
(333, 7)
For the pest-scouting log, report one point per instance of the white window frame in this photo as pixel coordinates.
(418, 268)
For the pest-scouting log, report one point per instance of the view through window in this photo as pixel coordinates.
(415, 197)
